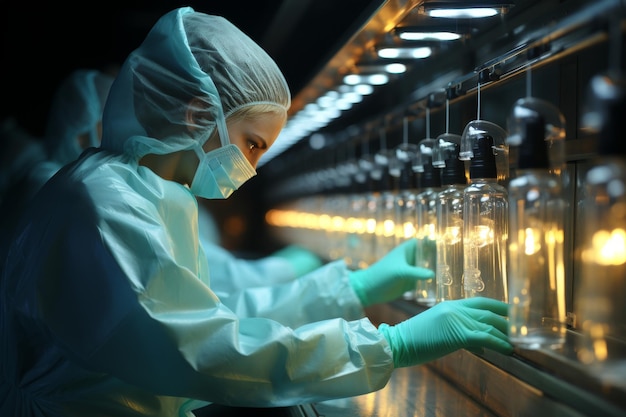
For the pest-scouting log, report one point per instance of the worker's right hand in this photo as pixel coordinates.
(472, 323)
(301, 259)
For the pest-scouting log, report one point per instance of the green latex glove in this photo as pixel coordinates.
(390, 277)
(472, 323)
(301, 260)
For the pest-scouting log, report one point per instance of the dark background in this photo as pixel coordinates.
(42, 43)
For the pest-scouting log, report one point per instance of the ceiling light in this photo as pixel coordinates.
(395, 68)
(377, 79)
(352, 79)
(428, 36)
(364, 89)
(464, 9)
(405, 52)
(371, 79)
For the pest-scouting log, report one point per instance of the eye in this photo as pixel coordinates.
(253, 145)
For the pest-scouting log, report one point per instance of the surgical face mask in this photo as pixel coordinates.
(220, 172)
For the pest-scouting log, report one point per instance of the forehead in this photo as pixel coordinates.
(261, 124)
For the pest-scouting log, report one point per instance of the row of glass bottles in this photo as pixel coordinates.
(491, 240)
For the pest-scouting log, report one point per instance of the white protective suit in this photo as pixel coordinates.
(230, 273)
(106, 302)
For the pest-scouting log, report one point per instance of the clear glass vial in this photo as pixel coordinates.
(536, 269)
(485, 213)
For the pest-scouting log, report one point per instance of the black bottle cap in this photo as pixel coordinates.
(430, 177)
(382, 181)
(404, 180)
(533, 151)
(453, 172)
(610, 140)
(483, 163)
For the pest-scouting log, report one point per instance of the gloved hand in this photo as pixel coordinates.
(301, 260)
(471, 323)
(389, 277)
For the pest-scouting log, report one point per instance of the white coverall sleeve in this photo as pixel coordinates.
(147, 318)
(321, 294)
(230, 274)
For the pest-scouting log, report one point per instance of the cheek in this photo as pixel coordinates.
(253, 158)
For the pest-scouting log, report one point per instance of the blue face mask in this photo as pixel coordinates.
(220, 172)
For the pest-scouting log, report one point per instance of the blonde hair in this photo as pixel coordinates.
(254, 111)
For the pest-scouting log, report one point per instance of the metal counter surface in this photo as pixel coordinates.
(416, 391)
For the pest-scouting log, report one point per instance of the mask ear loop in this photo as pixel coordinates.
(220, 119)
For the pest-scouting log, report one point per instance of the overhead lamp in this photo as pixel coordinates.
(395, 68)
(371, 79)
(439, 32)
(464, 9)
(405, 52)
(429, 36)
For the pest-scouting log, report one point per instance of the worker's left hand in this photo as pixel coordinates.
(390, 277)
(301, 259)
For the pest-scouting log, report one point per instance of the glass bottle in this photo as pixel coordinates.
(599, 302)
(537, 206)
(355, 218)
(405, 202)
(373, 176)
(485, 213)
(405, 198)
(449, 212)
(429, 185)
(385, 206)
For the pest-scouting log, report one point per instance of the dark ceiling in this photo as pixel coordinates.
(43, 43)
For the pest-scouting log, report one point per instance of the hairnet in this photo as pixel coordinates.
(76, 109)
(188, 58)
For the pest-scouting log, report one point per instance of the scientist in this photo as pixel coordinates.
(107, 305)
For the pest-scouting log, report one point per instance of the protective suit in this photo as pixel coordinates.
(230, 273)
(106, 298)
(76, 111)
(21, 152)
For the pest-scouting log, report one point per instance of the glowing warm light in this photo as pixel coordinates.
(481, 236)
(351, 225)
(598, 350)
(359, 226)
(388, 228)
(431, 231)
(337, 223)
(408, 230)
(452, 235)
(531, 240)
(324, 221)
(607, 248)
